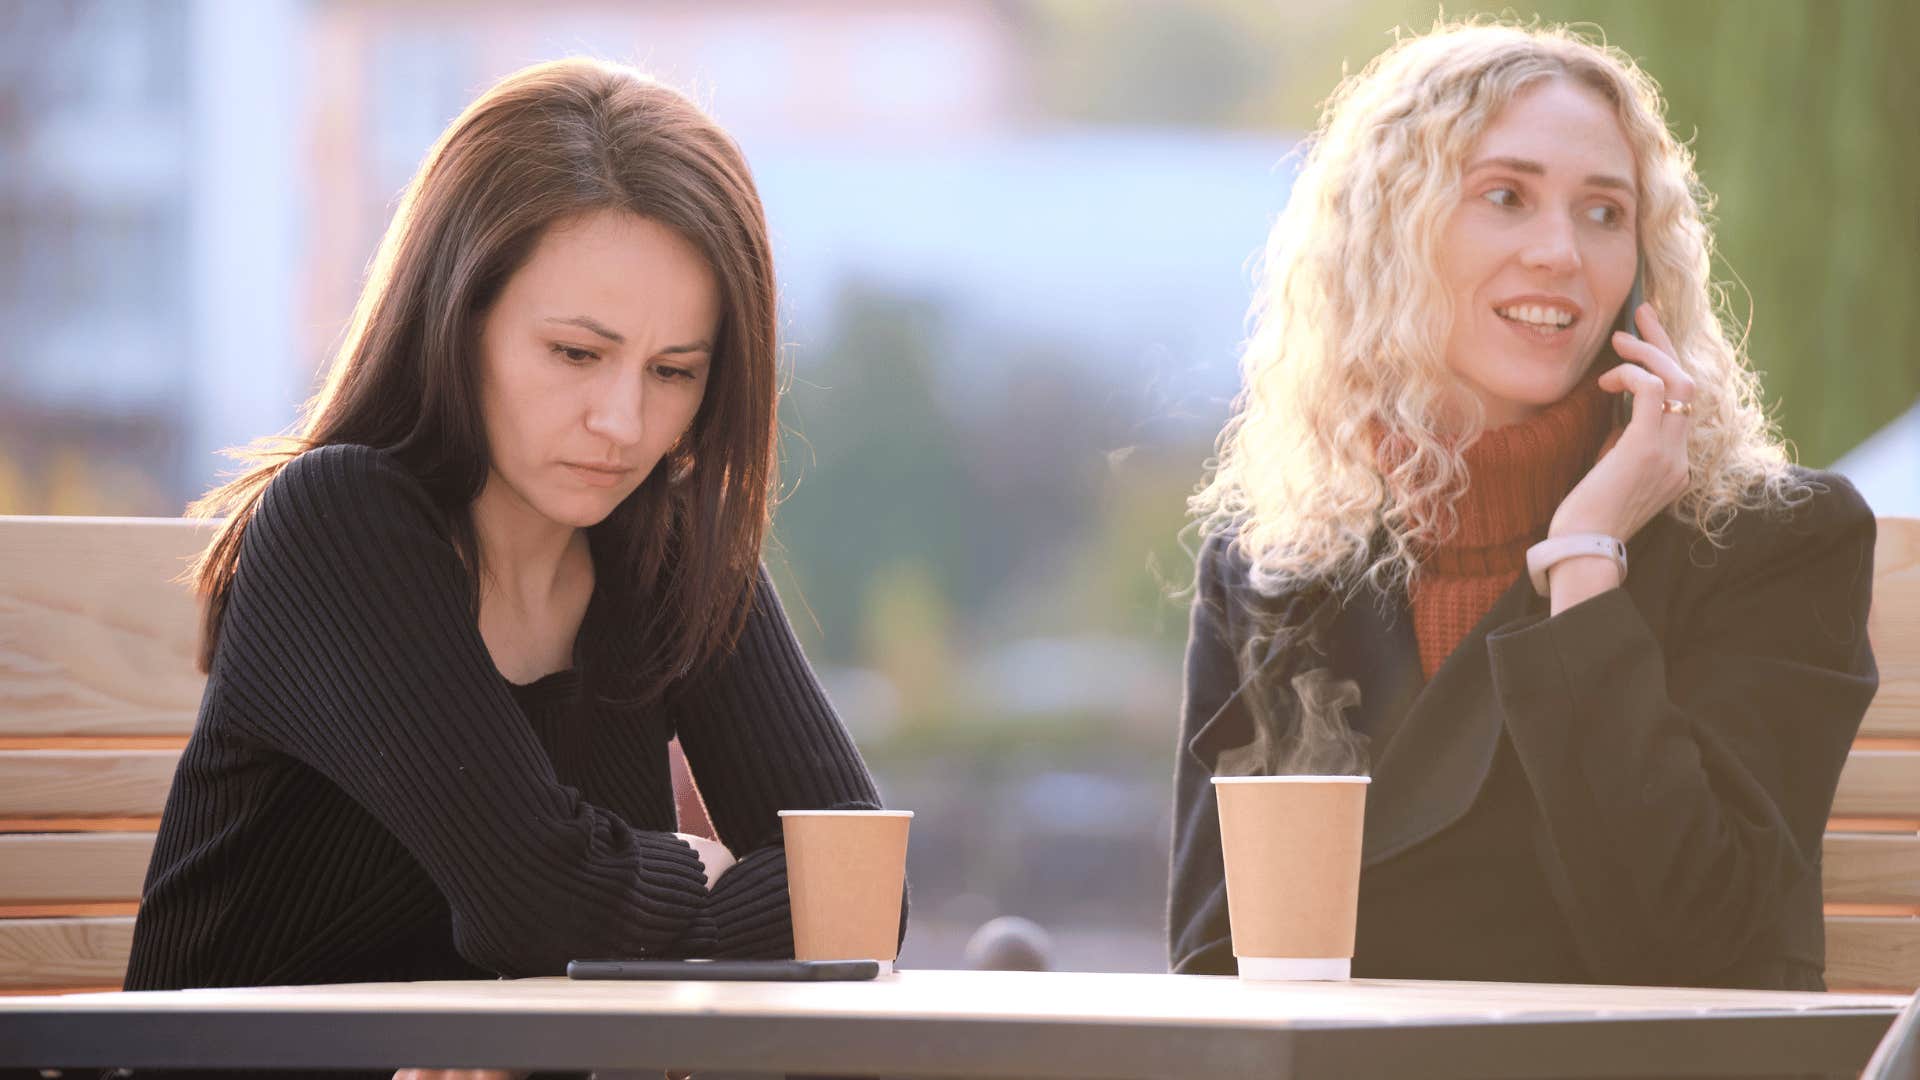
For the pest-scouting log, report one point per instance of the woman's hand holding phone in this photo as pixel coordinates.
(1644, 466)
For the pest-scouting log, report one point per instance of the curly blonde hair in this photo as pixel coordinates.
(1350, 318)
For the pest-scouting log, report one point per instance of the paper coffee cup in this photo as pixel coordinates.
(846, 871)
(1291, 845)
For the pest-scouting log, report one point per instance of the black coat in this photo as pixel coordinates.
(1633, 791)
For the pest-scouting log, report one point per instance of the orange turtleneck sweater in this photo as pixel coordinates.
(1518, 475)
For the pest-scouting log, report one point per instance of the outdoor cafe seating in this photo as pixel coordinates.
(98, 693)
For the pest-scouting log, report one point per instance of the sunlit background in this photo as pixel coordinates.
(1015, 244)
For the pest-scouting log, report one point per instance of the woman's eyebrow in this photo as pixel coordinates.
(1534, 168)
(587, 323)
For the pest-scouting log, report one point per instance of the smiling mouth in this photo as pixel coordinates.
(1542, 321)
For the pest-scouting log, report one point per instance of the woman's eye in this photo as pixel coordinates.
(672, 374)
(575, 355)
(1605, 214)
(1502, 196)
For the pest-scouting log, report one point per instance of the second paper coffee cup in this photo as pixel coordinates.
(846, 871)
(1291, 845)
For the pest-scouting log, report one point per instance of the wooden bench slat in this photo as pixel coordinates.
(96, 783)
(1871, 868)
(136, 823)
(1894, 627)
(1861, 868)
(1892, 718)
(64, 952)
(93, 742)
(1879, 783)
(65, 868)
(1908, 826)
(132, 907)
(97, 637)
(1879, 954)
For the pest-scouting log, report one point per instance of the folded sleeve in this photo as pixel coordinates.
(760, 737)
(1683, 785)
(349, 643)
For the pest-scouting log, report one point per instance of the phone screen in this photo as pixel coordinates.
(726, 970)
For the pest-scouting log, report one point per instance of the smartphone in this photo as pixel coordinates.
(1623, 404)
(727, 970)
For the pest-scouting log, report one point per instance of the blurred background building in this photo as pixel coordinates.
(1015, 243)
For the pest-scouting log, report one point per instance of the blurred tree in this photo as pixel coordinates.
(1139, 560)
(927, 519)
(1801, 115)
(907, 636)
(1034, 457)
(871, 468)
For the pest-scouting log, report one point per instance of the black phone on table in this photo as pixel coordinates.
(727, 970)
(1623, 404)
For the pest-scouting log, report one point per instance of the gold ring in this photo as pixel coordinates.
(1675, 405)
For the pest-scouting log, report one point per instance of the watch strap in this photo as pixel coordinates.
(1542, 556)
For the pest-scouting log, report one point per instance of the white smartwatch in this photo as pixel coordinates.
(1542, 556)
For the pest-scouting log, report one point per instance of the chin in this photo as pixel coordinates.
(578, 511)
(1532, 397)
(1504, 400)
(1536, 389)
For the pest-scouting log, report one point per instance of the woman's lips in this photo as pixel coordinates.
(597, 477)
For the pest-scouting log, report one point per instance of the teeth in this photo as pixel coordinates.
(1537, 315)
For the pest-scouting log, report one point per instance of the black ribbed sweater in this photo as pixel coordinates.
(366, 798)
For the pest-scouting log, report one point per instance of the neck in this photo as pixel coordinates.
(524, 555)
(1518, 473)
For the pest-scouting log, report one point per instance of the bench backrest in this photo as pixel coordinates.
(1872, 856)
(98, 693)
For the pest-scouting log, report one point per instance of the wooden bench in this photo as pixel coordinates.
(98, 693)
(1872, 856)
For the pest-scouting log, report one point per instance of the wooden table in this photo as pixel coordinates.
(967, 1023)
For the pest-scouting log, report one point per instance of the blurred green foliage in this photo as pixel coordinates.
(931, 515)
(872, 469)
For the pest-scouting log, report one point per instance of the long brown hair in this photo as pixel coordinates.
(544, 144)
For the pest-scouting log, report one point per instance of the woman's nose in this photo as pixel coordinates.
(1552, 246)
(616, 411)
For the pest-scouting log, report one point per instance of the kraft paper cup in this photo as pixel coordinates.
(846, 870)
(1291, 845)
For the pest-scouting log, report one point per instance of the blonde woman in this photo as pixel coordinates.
(1609, 656)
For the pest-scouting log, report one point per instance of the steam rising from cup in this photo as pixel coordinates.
(1302, 733)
